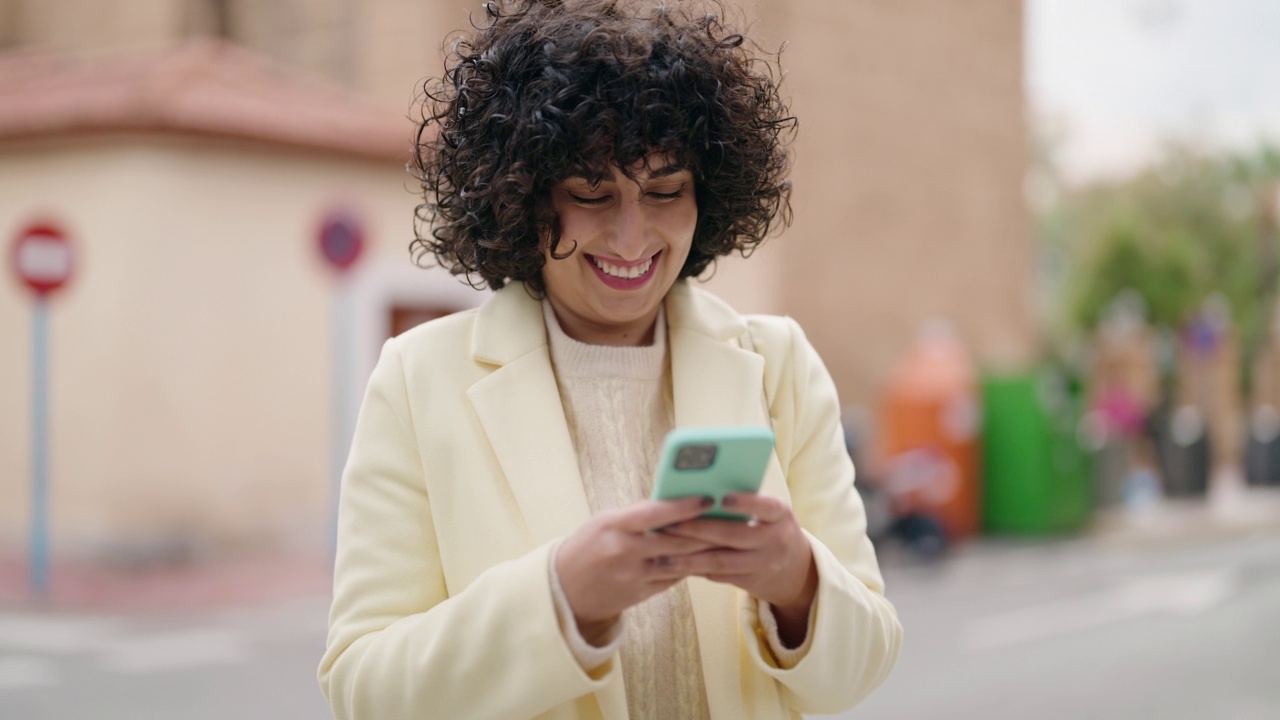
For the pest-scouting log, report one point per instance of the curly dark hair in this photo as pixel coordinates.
(551, 89)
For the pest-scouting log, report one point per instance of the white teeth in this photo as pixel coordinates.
(627, 273)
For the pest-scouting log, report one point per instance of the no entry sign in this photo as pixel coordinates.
(42, 257)
(341, 240)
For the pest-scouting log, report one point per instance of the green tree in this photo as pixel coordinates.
(1187, 228)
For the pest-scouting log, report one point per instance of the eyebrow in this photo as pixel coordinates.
(664, 171)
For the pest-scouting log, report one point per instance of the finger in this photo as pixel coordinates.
(652, 546)
(651, 514)
(664, 570)
(720, 562)
(722, 533)
(765, 508)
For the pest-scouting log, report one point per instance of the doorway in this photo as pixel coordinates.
(406, 316)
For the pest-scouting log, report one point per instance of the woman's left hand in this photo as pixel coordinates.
(768, 557)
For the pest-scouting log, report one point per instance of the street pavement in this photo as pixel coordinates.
(1178, 625)
(245, 663)
(1086, 629)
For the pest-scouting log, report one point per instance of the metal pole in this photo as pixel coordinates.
(340, 420)
(39, 560)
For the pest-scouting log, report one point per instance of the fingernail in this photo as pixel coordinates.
(707, 502)
(729, 501)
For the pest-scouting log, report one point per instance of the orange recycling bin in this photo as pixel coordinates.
(928, 445)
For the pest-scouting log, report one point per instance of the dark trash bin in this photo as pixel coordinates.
(1182, 450)
(1262, 451)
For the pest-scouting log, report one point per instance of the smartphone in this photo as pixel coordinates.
(713, 462)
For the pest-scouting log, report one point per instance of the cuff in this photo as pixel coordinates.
(589, 656)
(787, 657)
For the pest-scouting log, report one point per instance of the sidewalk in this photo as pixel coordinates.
(163, 587)
(1239, 513)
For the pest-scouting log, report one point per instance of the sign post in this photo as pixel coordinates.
(42, 259)
(341, 240)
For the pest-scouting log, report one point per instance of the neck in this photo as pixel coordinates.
(633, 334)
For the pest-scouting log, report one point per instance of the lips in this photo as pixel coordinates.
(623, 275)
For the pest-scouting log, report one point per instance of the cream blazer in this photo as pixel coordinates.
(462, 478)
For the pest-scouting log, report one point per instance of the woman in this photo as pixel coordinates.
(496, 553)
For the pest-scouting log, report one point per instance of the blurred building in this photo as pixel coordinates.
(192, 147)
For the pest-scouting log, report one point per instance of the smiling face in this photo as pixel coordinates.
(632, 238)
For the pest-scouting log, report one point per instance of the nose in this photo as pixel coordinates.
(628, 237)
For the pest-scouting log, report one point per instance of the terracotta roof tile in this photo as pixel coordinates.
(205, 87)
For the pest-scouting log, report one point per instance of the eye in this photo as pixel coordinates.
(581, 200)
(667, 196)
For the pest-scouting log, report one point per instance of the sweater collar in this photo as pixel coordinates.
(574, 359)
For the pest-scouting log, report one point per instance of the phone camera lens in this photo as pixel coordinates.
(695, 457)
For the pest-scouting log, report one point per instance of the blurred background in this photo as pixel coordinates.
(1035, 242)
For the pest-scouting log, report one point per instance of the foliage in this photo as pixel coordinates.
(1188, 228)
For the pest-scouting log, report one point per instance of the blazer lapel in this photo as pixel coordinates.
(518, 405)
(716, 382)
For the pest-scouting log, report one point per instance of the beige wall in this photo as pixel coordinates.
(91, 25)
(402, 43)
(910, 162)
(9, 31)
(191, 365)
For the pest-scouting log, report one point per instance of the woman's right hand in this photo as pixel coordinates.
(616, 559)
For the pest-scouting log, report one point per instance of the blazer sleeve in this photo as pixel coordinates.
(856, 630)
(400, 645)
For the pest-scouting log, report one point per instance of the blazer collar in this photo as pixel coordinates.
(714, 380)
(698, 311)
(508, 326)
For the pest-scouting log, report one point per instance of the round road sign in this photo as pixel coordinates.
(42, 257)
(341, 240)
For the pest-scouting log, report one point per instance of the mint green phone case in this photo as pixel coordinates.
(713, 461)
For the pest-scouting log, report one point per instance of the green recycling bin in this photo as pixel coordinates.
(1036, 476)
